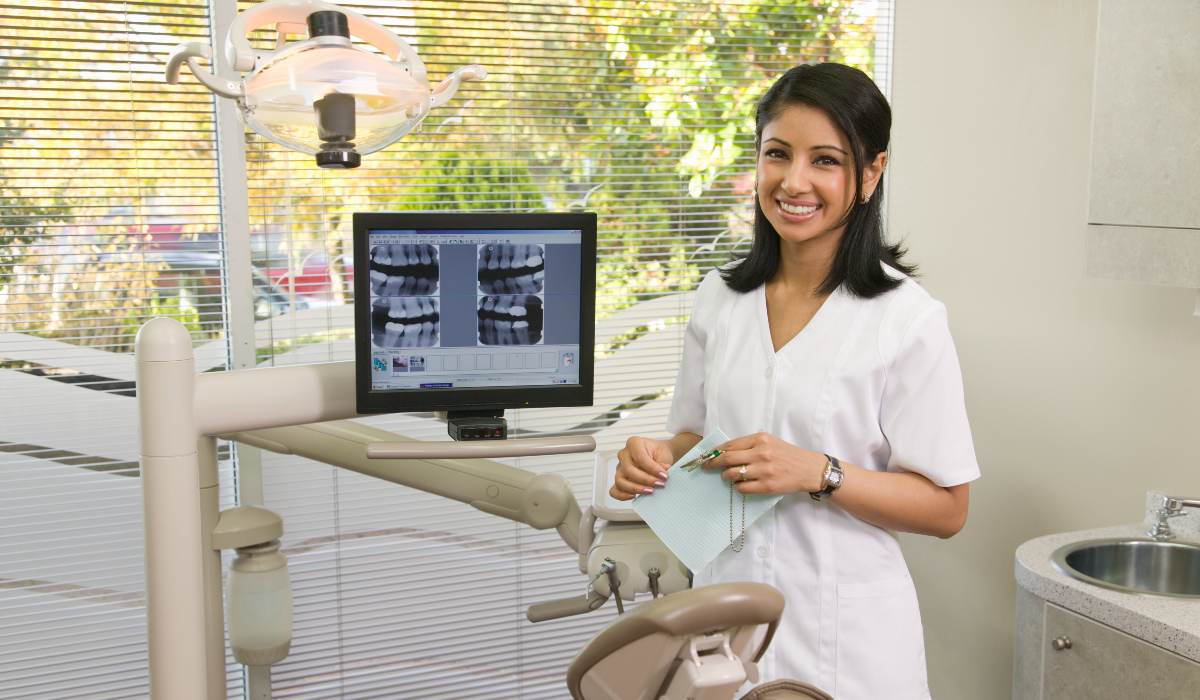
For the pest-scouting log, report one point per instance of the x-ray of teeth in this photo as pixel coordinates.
(506, 268)
(510, 319)
(404, 270)
(405, 322)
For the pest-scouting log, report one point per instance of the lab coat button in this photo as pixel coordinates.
(764, 552)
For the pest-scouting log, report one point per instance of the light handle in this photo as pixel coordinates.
(188, 53)
(446, 89)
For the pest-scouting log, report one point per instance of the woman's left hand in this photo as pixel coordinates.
(762, 463)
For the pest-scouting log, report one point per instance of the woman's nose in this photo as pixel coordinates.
(796, 180)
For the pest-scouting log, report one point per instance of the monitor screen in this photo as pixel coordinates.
(473, 311)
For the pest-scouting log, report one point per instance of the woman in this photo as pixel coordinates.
(838, 372)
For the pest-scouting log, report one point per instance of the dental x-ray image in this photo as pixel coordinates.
(404, 270)
(507, 268)
(510, 319)
(405, 322)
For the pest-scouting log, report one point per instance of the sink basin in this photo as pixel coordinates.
(1133, 565)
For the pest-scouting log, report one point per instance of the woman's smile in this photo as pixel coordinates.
(797, 211)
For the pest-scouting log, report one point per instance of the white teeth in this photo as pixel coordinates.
(801, 211)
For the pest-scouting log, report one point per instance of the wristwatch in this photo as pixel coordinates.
(831, 480)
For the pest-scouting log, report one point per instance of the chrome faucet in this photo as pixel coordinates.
(1167, 507)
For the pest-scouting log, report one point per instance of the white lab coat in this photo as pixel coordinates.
(874, 382)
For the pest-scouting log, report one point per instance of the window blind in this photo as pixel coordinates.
(109, 203)
(639, 111)
(109, 217)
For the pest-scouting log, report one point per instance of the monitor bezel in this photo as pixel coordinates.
(473, 398)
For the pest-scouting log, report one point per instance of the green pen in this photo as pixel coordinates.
(701, 460)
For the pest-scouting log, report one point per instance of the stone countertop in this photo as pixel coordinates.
(1169, 622)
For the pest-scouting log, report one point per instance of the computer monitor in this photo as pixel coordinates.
(473, 312)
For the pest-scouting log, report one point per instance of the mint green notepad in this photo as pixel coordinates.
(691, 513)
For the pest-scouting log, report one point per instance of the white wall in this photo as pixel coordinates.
(1082, 392)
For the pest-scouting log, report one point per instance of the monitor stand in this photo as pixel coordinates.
(477, 425)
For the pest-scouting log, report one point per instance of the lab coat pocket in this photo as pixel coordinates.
(880, 647)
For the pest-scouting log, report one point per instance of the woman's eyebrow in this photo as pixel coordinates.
(839, 149)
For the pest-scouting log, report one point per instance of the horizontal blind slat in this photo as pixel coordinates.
(102, 155)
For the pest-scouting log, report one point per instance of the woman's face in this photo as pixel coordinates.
(805, 175)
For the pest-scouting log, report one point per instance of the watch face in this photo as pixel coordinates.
(835, 478)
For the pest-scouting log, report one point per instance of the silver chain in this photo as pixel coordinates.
(736, 543)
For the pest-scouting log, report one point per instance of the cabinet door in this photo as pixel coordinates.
(1145, 161)
(1103, 663)
(1143, 213)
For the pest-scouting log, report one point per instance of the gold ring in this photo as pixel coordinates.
(742, 473)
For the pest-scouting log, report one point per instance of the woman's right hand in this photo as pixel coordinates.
(641, 467)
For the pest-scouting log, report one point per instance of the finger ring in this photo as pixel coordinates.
(742, 473)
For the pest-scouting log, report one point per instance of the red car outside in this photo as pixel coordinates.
(312, 279)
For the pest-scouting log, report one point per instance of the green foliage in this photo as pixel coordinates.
(640, 110)
(174, 306)
(458, 181)
(655, 131)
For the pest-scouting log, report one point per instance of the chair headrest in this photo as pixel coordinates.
(681, 615)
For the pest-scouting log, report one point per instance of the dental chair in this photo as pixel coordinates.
(684, 644)
(700, 644)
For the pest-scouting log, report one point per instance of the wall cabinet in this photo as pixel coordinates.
(1144, 211)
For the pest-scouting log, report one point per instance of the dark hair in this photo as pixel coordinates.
(856, 106)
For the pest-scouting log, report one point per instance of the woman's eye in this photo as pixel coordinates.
(826, 160)
(774, 153)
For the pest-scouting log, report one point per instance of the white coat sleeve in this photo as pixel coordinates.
(688, 409)
(923, 412)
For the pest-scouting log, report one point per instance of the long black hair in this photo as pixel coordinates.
(856, 106)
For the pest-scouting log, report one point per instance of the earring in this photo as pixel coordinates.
(867, 198)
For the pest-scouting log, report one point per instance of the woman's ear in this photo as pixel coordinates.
(871, 174)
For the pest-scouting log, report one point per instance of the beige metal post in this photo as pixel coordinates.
(214, 608)
(170, 471)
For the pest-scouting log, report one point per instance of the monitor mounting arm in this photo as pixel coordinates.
(446, 469)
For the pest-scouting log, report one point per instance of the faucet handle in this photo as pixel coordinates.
(1174, 505)
(1160, 508)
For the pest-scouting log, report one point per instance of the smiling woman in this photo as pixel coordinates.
(838, 375)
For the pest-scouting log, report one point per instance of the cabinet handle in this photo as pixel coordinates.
(1061, 643)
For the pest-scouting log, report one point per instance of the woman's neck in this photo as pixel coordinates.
(804, 267)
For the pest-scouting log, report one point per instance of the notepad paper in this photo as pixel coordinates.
(691, 513)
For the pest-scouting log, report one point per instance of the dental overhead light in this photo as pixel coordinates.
(323, 95)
